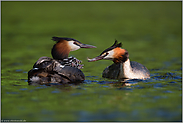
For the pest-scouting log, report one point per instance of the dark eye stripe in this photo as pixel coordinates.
(106, 54)
(76, 43)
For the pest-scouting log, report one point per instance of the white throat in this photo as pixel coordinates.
(125, 70)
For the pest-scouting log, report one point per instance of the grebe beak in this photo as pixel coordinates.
(95, 59)
(86, 46)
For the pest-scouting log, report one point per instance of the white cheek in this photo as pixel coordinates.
(110, 55)
(73, 46)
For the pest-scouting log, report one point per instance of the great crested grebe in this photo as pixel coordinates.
(60, 68)
(122, 68)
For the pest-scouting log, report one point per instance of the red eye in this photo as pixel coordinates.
(76, 43)
(105, 54)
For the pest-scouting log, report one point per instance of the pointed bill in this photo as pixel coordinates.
(95, 59)
(87, 46)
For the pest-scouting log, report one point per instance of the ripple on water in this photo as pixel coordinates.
(158, 85)
(12, 93)
(168, 75)
(100, 116)
(25, 80)
(164, 114)
(18, 70)
(167, 91)
(23, 89)
(76, 94)
(89, 81)
(172, 82)
(125, 88)
(55, 91)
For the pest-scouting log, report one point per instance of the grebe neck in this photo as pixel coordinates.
(125, 69)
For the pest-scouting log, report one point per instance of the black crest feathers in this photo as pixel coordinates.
(54, 38)
(116, 44)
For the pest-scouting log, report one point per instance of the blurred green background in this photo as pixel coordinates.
(150, 31)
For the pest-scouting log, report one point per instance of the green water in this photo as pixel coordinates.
(150, 31)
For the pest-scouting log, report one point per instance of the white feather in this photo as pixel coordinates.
(110, 56)
(62, 66)
(34, 78)
(73, 46)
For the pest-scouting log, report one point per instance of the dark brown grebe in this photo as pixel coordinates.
(60, 69)
(122, 68)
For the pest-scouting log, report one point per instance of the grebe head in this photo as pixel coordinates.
(114, 53)
(64, 45)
